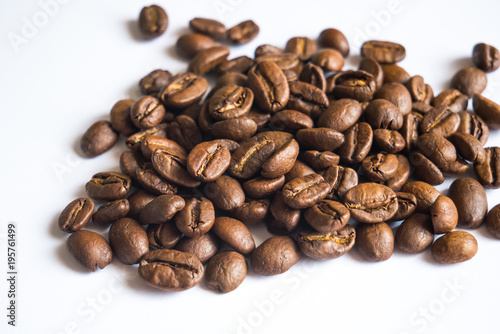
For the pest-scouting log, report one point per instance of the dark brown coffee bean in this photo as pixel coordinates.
(321, 160)
(488, 110)
(286, 217)
(269, 86)
(243, 32)
(252, 212)
(383, 52)
(341, 115)
(444, 215)
(235, 234)
(137, 201)
(275, 256)
(225, 193)
(151, 181)
(382, 114)
(149, 144)
(306, 191)
(110, 212)
(415, 234)
(230, 101)
(373, 67)
(389, 141)
(328, 60)
(208, 59)
(440, 120)
(486, 57)
(395, 73)
(371, 202)
(128, 240)
(108, 186)
(237, 129)
(239, 64)
(468, 147)
(417, 88)
(340, 179)
(267, 49)
(470, 200)
(153, 21)
(488, 172)
(184, 90)
(375, 242)
(410, 130)
(492, 221)
(357, 85)
(326, 246)
(454, 247)
(76, 215)
(285, 61)
(260, 118)
(203, 247)
(100, 254)
(313, 74)
(397, 94)
(184, 131)
(164, 235)
(327, 216)
(425, 193)
(437, 149)
(154, 82)
(208, 160)
(321, 139)
(226, 271)
(299, 169)
(171, 270)
(99, 138)
(230, 144)
(290, 121)
(196, 218)
(402, 174)
(171, 165)
(379, 167)
(248, 159)
(407, 204)
(147, 112)
(307, 99)
(335, 39)
(425, 169)
(211, 28)
(134, 141)
(120, 117)
(303, 47)
(474, 125)
(280, 138)
(451, 98)
(261, 187)
(357, 143)
(190, 44)
(281, 161)
(161, 209)
(469, 81)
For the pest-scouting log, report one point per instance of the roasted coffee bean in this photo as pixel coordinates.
(275, 256)
(208, 59)
(470, 200)
(321, 160)
(203, 247)
(357, 143)
(226, 271)
(474, 125)
(225, 193)
(444, 215)
(190, 44)
(230, 101)
(373, 67)
(357, 85)
(281, 161)
(395, 73)
(171, 165)
(110, 212)
(76, 215)
(285, 61)
(488, 172)
(321, 139)
(457, 167)
(230, 144)
(307, 99)
(313, 74)
(184, 131)
(389, 141)
(230, 78)
(99, 138)
(335, 39)
(341, 115)
(237, 129)
(252, 212)
(147, 112)
(184, 90)
(425, 169)
(306, 191)
(262, 187)
(154, 82)
(407, 204)
(415, 234)
(108, 186)
(100, 254)
(468, 147)
(299, 169)
(379, 167)
(425, 193)
(440, 120)
(402, 174)
(269, 86)
(469, 81)
(290, 121)
(451, 98)
(266, 49)
(161, 209)
(171, 270)
(120, 117)
(410, 130)
(153, 21)
(211, 28)
(340, 179)
(327, 216)
(287, 217)
(488, 110)
(303, 47)
(240, 64)
(235, 234)
(196, 218)
(137, 201)
(371, 202)
(486, 57)
(326, 246)
(437, 149)
(417, 88)
(492, 221)
(248, 159)
(208, 160)
(382, 114)
(454, 247)
(164, 235)
(328, 60)
(149, 144)
(260, 118)
(134, 141)
(383, 52)
(151, 181)
(128, 240)
(375, 242)
(397, 94)
(243, 32)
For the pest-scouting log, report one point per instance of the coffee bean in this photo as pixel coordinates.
(474, 125)
(357, 143)
(402, 174)
(275, 256)
(454, 247)
(137, 201)
(76, 215)
(99, 254)
(299, 169)
(248, 159)
(147, 112)
(225, 193)
(340, 179)
(134, 141)
(492, 221)
(262, 187)
(286, 218)
(341, 115)
(211, 28)
(303, 47)
(208, 160)
(488, 110)
(313, 74)
(383, 52)
(451, 98)
(328, 60)
(437, 149)
(444, 215)
(171, 270)
(161, 209)
(171, 165)
(184, 131)
(417, 88)
(407, 204)
(382, 114)
(415, 234)
(235, 234)
(486, 57)
(425, 193)
(203, 247)
(373, 67)
(110, 212)
(410, 130)
(379, 167)
(237, 129)
(371, 202)
(230, 144)
(290, 121)
(470, 200)
(164, 235)
(375, 242)
(321, 139)
(395, 73)
(196, 218)
(397, 94)
(189, 45)
(239, 64)
(468, 147)
(488, 172)
(154, 82)
(120, 117)
(335, 39)
(230, 101)
(225, 271)
(128, 240)
(326, 246)
(285, 61)
(425, 169)
(267, 49)
(356, 85)
(149, 144)
(306, 191)
(208, 59)
(184, 90)
(151, 181)
(243, 32)
(470, 81)
(252, 212)
(108, 186)
(440, 120)
(153, 21)
(307, 99)
(389, 141)
(269, 86)
(281, 161)
(327, 216)
(321, 160)
(99, 138)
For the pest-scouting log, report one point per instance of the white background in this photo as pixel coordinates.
(87, 55)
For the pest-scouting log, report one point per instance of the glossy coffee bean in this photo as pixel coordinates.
(371, 202)
(164, 235)
(230, 101)
(235, 234)
(340, 179)
(281, 161)
(225, 193)
(290, 121)
(327, 216)
(468, 147)
(108, 186)
(303, 47)
(239, 64)
(469, 81)
(269, 86)
(149, 144)
(225, 271)
(451, 98)
(326, 246)
(473, 124)
(373, 67)
(189, 45)
(267, 49)
(236, 129)
(320, 160)
(314, 75)
(128, 240)
(439, 150)
(299, 169)
(203, 247)
(171, 165)
(208, 160)
(425, 169)
(487, 172)
(407, 204)
(120, 117)
(470, 200)
(183, 90)
(208, 59)
(211, 28)
(321, 139)
(415, 234)
(382, 114)
(306, 191)
(380, 167)
(248, 159)
(444, 215)
(161, 209)
(183, 130)
(307, 99)
(243, 32)
(137, 201)
(383, 52)
(275, 256)
(389, 141)
(395, 73)
(397, 94)
(417, 88)
(262, 187)
(99, 138)
(196, 218)
(335, 39)
(425, 193)
(252, 212)
(440, 120)
(147, 112)
(488, 110)
(134, 141)
(286, 62)
(154, 82)
(341, 115)
(287, 218)
(152, 182)
(76, 215)
(153, 21)
(402, 174)
(89, 249)
(454, 247)
(492, 221)
(356, 85)
(357, 143)
(328, 59)
(110, 212)
(375, 242)
(486, 57)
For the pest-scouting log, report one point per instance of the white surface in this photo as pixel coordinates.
(72, 70)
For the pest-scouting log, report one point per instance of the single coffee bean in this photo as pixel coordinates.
(458, 167)
(262, 187)
(147, 112)
(335, 39)
(373, 67)
(151, 181)
(299, 169)
(252, 212)
(397, 94)
(290, 121)
(235, 234)
(99, 138)
(288, 218)
(190, 44)
(137, 201)
(120, 117)
(306, 191)
(203, 247)
(410, 130)
(375, 242)
(492, 221)
(440, 120)
(380, 167)
(474, 125)
(389, 141)
(321, 160)
(357, 143)
(269, 85)
(196, 218)
(383, 52)
(402, 174)
(454, 247)
(382, 114)
(488, 110)
(225, 271)
(340, 179)
(488, 172)
(356, 85)
(154, 82)
(341, 115)
(321, 139)
(267, 49)
(425, 169)
(184, 130)
(328, 59)
(468, 147)
(208, 59)
(171, 165)
(313, 74)
(415, 234)
(470, 200)
(225, 193)
(437, 149)
(99, 254)
(208, 160)
(149, 144)
(326, 246)
(153, 21)
(417, 88)
(303, 47)
(407, 204)
(161, 209)
(327, 216)
(237, 129)
(371, 202)
(248, 159)
(425, 193)
(134, 141)
(184, 90)
(281, 161)
(211, 28)
(230, 101)
(275, 256)
(164, 235)
(108, 186)
(243, 32)
(307, 99)
(470, 81)
(76, 215)
(230, 144)
(128, 240)
(171, 270)
(110, 212)
(486, 57)
(395, 73)
(285, 61)
(239, 64)
(444, 215)
(451, 98)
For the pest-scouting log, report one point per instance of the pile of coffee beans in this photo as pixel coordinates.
(287, 139)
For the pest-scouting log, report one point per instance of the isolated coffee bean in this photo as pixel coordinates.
(208, 59)
(171, 165)
(76, 215)
(303, 47)
(327, 216)
(470, 200)
(415, 234)
(183, 90)
(492, 221)
(380, 167)
(225, 271)
(335, 39)
(151, 181)
(269, 86)
(341, 115)
(314, 75)
(357, 143)
(110, 212)
(321, 139)
(383, 52)
(454, 247)
(444, 215)
(470, 81)
(243, 32)
(128, 240)
(371, 202)
(208, 160)
(425, 169)
(196, 218)
(451, 98)
(425, 193)
(230, 101)
(306, 191)
(153, 21)
(357, 85)
(161, 209)
(488, 110)
(307, 99)
(326, 246)
(320, 160)
(468, 147)
(120, 117)
(225, 193)
(137, 201)
(402, 174)
(407, 204)
(108, 186)
(211, 28)
(235, 234)
(203, 247)
(375, 242)
(487, 172)
(275, 256)
(100, 254)
(189, 45)
(486, 57)
(154, 82)
(99, 138)
(474, 125)
(171, 270)
(389, 141)
(382, 114)
(164, 235)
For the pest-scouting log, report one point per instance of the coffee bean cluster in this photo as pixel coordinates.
(290, 140)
